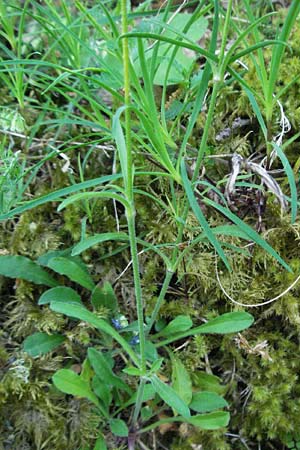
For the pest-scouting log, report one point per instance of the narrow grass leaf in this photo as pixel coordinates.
(291, 179)
(257, 112)
(84, 244)
(249, 231)
(118, 135)
(56, 195)
(200, 216)
(91, 196)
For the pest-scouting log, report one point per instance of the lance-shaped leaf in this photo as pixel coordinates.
(169, 396)
(72, 270)
(40, 343)
(22, 267)
(59, 294)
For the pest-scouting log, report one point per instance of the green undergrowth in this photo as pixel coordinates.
(256, 370)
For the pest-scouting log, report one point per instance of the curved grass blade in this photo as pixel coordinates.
(92, 195)
(200, 216)
(291, 179)
(56, 195)
(253, 235)
(176, 42)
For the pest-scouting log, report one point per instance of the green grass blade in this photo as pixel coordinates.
(56, 195)
(291, 179)
(257, 112)
(200, 216)
(253, 235)
(91, 196)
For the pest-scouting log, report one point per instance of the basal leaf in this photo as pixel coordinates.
(40, 343)
(181, 380)
(104, 372)
(226, 323)
(205, 401)
(118, 427)
(22, 267)
(72, 270)
(169, 396)
(177, 325)
(105, 296)
(211, 421)
(59, 294)
(81, 313)
(69, 382)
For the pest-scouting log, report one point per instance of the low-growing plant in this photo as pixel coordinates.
(125, 373)
(113, 367)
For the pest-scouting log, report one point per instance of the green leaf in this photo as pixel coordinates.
(156, 365)
(97, 239)
(56, 195)
(24, 268)
(257, 112)
(112, 194)
(100, 444)
(200, 216)
(248, 230)
(226, 323)
(69, 382)
(208, 382)
(104, 296)
(102, 391)
(59, 294)
(81, 313)
(133, 371)
(148, 394)
(211, 421)
(118, 427)
(72, 270)
(291, 179)
(177, 325)
(169, 396)
(182, 63)
(181, 380)
(104, 372)
(207, 401)
(150, 351)
(40, 343)
(118, 135)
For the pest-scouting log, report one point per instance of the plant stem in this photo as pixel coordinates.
(160, 299)
(217, 84)
(128, 180)
(139, 400)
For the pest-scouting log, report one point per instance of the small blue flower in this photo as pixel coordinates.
(117, 324)
(134, 340)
